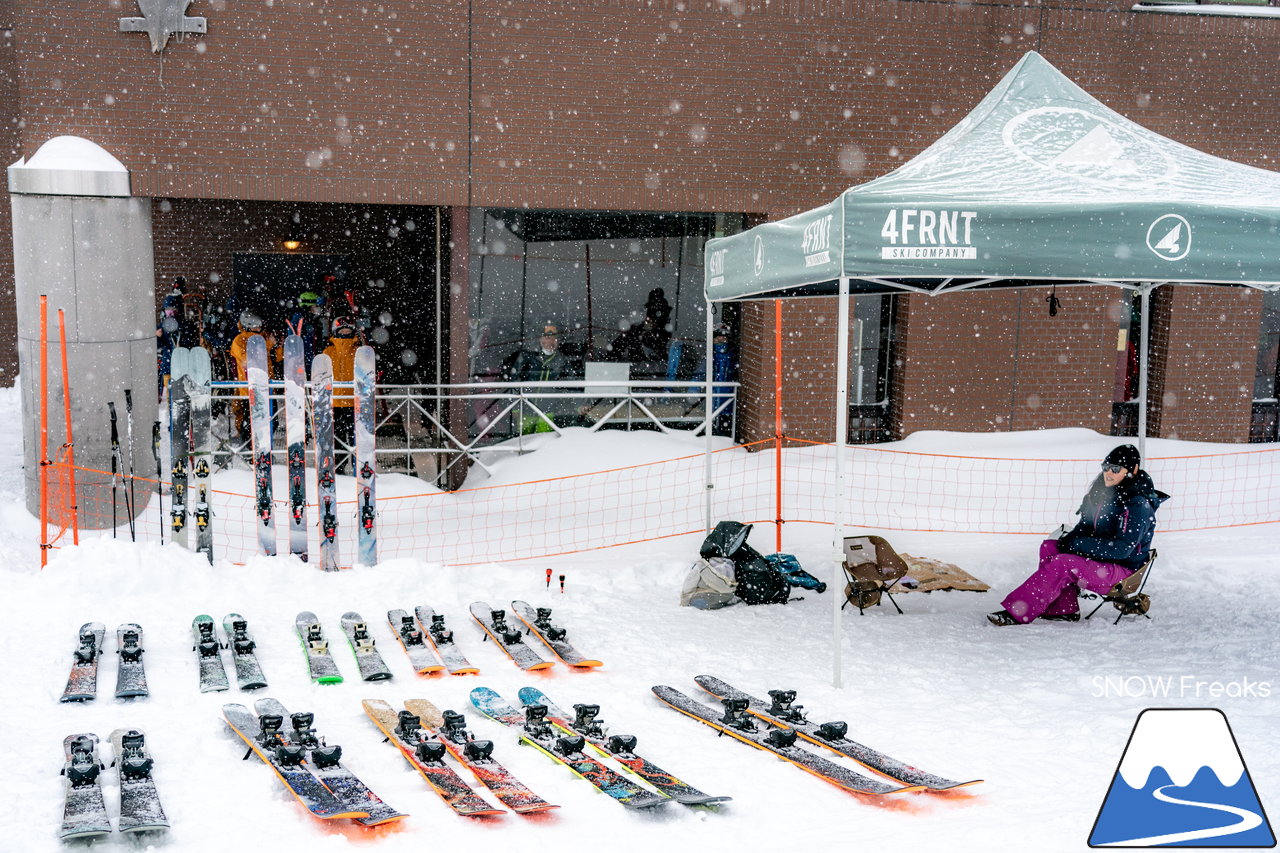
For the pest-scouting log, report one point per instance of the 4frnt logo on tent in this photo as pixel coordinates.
(928, 234)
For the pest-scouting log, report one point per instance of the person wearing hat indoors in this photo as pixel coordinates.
(1110, 542)
(544, 364)
(342, 354)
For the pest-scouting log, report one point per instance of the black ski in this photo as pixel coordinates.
(84, 813)
(140, 808)
(213, 675)
(249, 675)
(82, 684)
(131, 679)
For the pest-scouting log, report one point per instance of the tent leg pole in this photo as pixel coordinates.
(842, 436)
(1144, 299)
(706, 424)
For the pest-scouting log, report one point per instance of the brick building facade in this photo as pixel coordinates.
(323, 114)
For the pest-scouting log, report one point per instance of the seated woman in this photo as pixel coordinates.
(1111, 542)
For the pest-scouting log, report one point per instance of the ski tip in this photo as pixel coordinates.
(466, 670)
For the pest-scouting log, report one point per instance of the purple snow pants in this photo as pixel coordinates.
(1051, 590)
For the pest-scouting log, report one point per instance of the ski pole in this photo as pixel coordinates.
(155, 453)
(115, 460)
(130, 497)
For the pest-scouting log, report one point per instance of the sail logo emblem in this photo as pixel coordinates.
(1089, 145)
(1169, 237)
(1181, 781)
(759, 268)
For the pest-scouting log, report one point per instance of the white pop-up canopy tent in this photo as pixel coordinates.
(1040, 184)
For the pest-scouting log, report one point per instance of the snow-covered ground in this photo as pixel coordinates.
(1021, 707)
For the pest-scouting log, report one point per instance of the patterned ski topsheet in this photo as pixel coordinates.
(249, 674)
(441, 639)
(422, 749)
(414, 642)
(344, 784)
(180, 390)
(810, 731)
(368, 659)
(131, 678)
(140, 808)
(309, 790)
(326, 493)
(783, 746)
(260, 429)
(295, 426)
(554, 636)
(508, 637)
(320, 662)
(201, 449)
(366, 464)
(619, 748)
(208, 649)
(84, 812)
(82, 683)
(477, 756)
(563, 750)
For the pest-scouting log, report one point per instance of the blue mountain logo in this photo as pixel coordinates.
(1181, 782)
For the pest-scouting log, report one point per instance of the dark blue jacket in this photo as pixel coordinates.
(1116, 524)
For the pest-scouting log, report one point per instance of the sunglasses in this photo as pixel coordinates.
(1114, 469)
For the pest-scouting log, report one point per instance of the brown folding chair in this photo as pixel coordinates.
(1127, 596)
(872, 568)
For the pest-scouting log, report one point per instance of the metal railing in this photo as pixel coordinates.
(429, 429)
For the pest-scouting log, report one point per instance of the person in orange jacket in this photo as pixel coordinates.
(250, 325)
(342, 353)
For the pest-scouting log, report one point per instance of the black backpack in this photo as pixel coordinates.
(759, 581)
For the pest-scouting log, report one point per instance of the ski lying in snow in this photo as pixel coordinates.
(477, 756)
(286, 761)
(326, 492)
(368, 658)
(131, 678)
(82, 683)
(585, 721)
(249, 675)
(201, 447)
(260, 430)
(784, 714)
(441, 639)
(324, 761)
(140, 809)
(213, 675)
(510, 640)
(564, 748)
(84, 812)
(323, 668)
(413, 642)
(295, 428)
(735, 722)
(366, 465)
(424, 750)
(556, 638)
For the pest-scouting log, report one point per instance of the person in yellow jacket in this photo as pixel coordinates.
(342, 353)
(250, 325)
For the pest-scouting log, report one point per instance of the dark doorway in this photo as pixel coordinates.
(268, 283)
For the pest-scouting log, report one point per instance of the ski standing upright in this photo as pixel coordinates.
(295, 423)
(179, 441)
(366, 473)
(326, 493)
(133, 496)
(260, 426)
(202, 446)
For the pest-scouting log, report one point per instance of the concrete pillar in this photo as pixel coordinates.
(82, 240)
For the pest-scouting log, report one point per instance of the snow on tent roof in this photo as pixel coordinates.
(1040, 182)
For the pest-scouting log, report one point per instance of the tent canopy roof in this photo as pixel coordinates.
(1040, 183)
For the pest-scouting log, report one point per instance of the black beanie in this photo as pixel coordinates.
(1126, 455)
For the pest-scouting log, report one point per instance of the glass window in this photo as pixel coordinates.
(623, 287)
(1264, 380)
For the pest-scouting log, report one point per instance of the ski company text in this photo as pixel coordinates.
(715, 266)
(925, 234)
(1175, 687)
(817, 242)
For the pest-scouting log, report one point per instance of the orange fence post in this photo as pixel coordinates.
(69, 446)
(777, 419)
(44, 432)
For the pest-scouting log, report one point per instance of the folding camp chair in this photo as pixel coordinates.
(1128, 596)
(872, 568)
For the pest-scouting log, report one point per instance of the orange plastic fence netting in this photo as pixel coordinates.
(889, 489)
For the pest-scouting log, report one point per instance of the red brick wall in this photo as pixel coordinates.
(9, 143)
